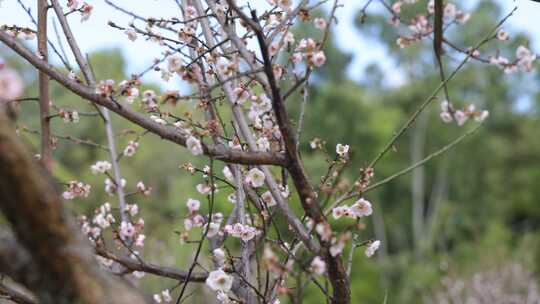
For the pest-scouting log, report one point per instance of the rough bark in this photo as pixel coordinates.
(65, 268)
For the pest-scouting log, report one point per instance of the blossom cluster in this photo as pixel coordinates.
(360, 208)
(76, 189)
(244, 232)
(449, 113)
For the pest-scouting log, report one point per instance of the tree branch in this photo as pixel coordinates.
(218, 152)
(46, 150)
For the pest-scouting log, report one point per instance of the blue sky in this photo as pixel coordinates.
(95, 34)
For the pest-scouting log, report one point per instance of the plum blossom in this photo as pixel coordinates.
(318, 58)
(101, 166)
(525, 58)
(324, 231)
(69, 116)
(503, 35)
(219, 256)
(337, 247)
(362, 208)
(218, 280)
(297, 57)
(212, 229)
(86, 11)
(204, 189)
(342, 150)
(263, 144)
(288, 38)
(11, 84)
(274, 47)
(131, 148)
(446, 117)
(76, 189)
(318, 266)
(139, 241)
(268, 199)
(396, 7)
(149, 99)
(128, 90)
(255, 178)
(73, 4)
(449, 12)
(480, 117)
(319, 23)
(105, 87)
(372, 248)
(190, 12)
(461, 117)
(244, 232)
(132, 209)
(228, 174)
(174, 63)
(449, 113)
(188, 224)
(340, 211)
(141, 187)
(193, 205)
(222, 297)
(127, 230)
(242, 94)
(110, 185)
(194, 145)
(166, 295)
(131, 34)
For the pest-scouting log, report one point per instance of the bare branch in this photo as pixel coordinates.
(46, 150)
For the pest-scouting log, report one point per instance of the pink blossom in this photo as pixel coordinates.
(11, 85)
(319, 23)
(362, 208)
(193, 205)
(318, 58)
(318, 266)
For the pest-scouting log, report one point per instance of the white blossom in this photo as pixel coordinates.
(362, 208)
(255, 178)
(342, 150)
(268, 199)
(461, 117)
(194, 145)
(502, 35)
(218, 280)
(219, 256)
(204, 189)
(318, 266)
(11, 84)
(228, 174)
(372, 248)
(193, 205)
(263, 144)
(481, 116)
(319, 23)
(213, 229)
(131, 34)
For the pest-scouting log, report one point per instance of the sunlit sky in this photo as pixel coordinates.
(96, 35)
